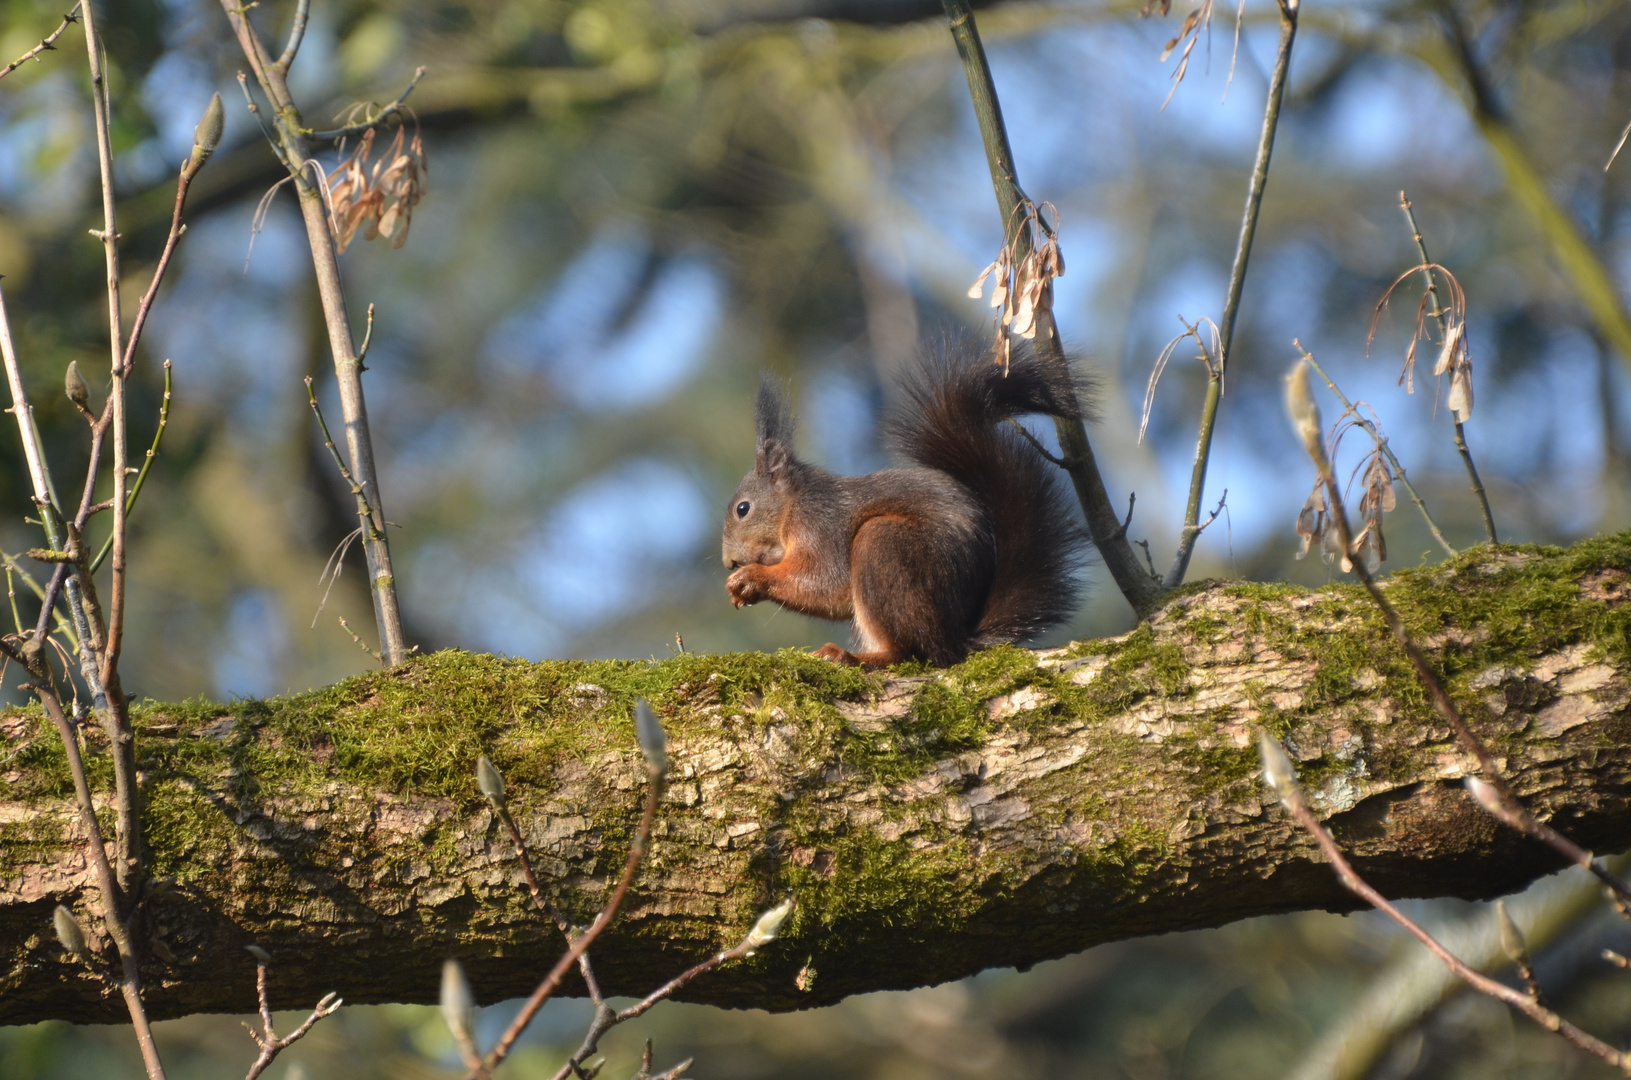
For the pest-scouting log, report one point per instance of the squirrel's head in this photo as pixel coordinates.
(753, 519)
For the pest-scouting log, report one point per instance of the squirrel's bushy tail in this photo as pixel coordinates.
(952, 415)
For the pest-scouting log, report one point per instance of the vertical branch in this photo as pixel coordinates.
(296, 151)
(104, 679)
(1142, 590)
(110, 899)
(1443, 318)
(1231, 301)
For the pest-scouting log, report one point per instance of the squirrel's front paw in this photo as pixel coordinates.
(745, 586)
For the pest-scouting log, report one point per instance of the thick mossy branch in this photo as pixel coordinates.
(1017, 807)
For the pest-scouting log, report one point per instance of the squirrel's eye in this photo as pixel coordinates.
(742, 508)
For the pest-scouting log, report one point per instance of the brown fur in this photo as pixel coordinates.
(974, 545)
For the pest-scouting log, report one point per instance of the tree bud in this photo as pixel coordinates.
(70, 934)
(73, 383)
(490, 780)
(1305, 412)
(768, 928)
(458, 1003)
(1512, 943)
(1278, 772)
(649, 731)
(207, 135)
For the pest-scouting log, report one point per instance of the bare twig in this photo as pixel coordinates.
(50, 44)
(605, 1018)
(294, 148)
(1142, 590)
(1040, 449)
(1382, 445)
(1282, 776)
(374, 121)
(297, 32)
(551, 981)
(365, 512)
(267, 1038)
(111, 899)
(361, 644)
(1443, 317)
(147, 464)
(1492, 793)
(1217, 377)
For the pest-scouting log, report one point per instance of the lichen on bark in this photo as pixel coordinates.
(1019, 806)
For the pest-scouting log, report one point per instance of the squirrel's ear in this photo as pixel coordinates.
(774, 462)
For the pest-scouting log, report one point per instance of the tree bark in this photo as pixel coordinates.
(1017, 807)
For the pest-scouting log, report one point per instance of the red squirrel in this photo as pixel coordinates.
(972, 544)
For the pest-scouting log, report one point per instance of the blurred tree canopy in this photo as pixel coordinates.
(636, 205)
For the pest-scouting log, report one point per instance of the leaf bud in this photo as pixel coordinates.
(1512, 943)
(1278, 772)
(1305, 412)
(70, 934)
(490, 780)
(73, 383)
(768, 928)
(207, 135)
(649, 731)
(1485, 795)
(458, 1003)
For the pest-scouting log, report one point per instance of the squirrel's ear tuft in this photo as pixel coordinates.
(773, 420)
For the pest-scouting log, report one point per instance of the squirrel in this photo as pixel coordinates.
(972, 544)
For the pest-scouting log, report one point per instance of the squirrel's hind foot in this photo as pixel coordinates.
(840, 655)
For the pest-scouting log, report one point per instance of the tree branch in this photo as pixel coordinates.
(1018, 807)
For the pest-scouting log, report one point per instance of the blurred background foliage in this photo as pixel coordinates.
(635, 206)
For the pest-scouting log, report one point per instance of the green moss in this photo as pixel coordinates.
(881, 890)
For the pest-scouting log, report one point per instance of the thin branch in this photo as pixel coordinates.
(1493, 795)
(552, 981)
(361, 644)
(1439, 313)
(1382, 445)
(1292, 799)
(104, 679)
(294, 148)
(296, 32)
(393, 109)
(1040, 449)
(147, 464)
(1231, 302)
(111, 898)
(545, 905)
(1142, 590)
(64, 627)
(365, 512)
(49, 45)
(267, 1039)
